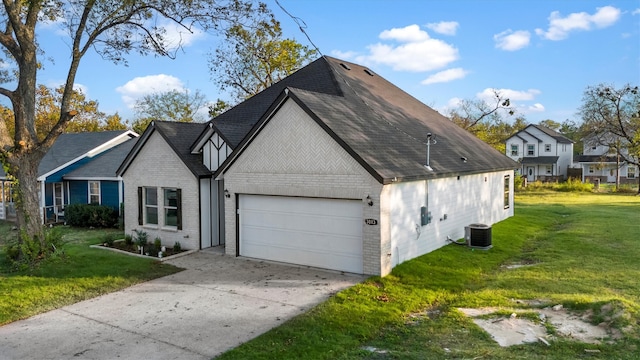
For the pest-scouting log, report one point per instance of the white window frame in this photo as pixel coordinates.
(592, 169)
(549, 169)
(514, 149)
(149, 205)
(166, 207)
(531, 150)
(631, 172)
(507, 191)
(92, 194)
(547, 147)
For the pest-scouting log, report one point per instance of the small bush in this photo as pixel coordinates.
(109, 239)
(157, 243)
(177, 247)
(574, 185)
(90, 215)
(128, 239)
(141, 237)
(28, 252)
(518, 181)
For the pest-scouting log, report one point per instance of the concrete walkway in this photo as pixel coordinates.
(216, 304)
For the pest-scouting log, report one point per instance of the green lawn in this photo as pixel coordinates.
(586, 251)
(80, 273)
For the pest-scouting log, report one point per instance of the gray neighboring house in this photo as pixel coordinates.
(326, 168)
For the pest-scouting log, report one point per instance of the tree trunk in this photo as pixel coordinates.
(25, 169)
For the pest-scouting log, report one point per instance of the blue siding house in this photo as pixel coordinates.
(80, 168)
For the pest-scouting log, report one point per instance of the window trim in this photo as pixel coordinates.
(634, 172)
(147, 206)
(549, 169)
(547, 147)
(166, 207)
(98, 194)
(507, 191)
(515, 150)
(592, 169)
(531, 150)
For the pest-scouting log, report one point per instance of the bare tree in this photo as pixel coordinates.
(470, 113)
(113, 29)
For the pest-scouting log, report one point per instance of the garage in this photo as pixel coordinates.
(324, 233)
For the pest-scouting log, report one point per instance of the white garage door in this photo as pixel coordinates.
(324, 233)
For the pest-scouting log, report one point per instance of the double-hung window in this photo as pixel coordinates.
(507, 191)
(150, 205)
(514, 150)
(171, 207)
(547, 147)
(531, 150)
(631, 172)
(94, 192)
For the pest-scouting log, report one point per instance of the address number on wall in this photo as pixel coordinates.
(371, 221)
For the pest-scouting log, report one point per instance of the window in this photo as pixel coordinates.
(631, 172)
(547, 147)
(171, 209)
(531, 150)
(150, 205)
(514, 150)
(549, 169)
(592, 169)
(564, 147)
(507, 181)
(94, 192)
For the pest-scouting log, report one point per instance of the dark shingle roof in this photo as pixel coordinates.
(235, 123)
(382, 126)
(595, 158)
(554, 134)
(104, 165)
(70, 146)
(545, 160)
(180, 137)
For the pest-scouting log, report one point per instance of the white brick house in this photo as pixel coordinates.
(161, 183)
(543, 154)
(326, 168)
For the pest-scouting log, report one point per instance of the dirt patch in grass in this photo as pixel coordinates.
(541, 325)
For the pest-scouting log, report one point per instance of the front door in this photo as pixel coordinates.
(531, 173)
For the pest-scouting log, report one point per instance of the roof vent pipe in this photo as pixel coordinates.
(430, 140)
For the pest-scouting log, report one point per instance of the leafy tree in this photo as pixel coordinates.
(172, 105)
(611, 117)
(550, 124)
(254, 57)
(470, 113)
(113, 29)
(485, 120)
(218, 108)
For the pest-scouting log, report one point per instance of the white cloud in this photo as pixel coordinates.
(488, 94)
(512, 40)
(177, 35)
(145, 85)
(416, 52)
(560, 27)
(445, 76)
(344, 55)
(636, 11)
(537, 107)
(444, 27)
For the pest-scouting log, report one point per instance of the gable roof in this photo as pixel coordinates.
(72, 147)
(104, 165)
(380, 125)
(561, 139)
(179, 136)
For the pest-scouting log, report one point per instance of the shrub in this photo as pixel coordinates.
(141, 237)
(27, 252)
(128, 239)
(90, 215)
(157, 243)
(109, 239)
(177, 247)
(574, 185)
(518, 181)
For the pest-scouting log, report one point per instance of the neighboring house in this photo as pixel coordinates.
(543, 154)
(601, 162)
(326, 168)
(162, 184)
(7, 206)
(79, 168)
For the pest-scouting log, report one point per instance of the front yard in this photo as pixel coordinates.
(582, 252)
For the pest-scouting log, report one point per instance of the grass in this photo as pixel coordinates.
(80, 273)
(586, 251)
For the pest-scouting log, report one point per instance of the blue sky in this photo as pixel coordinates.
(540, 54)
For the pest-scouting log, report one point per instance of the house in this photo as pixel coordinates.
(7, 206)
(162, 185)
(544, 154)
(78, 168)
(332, 167)
(599, 162)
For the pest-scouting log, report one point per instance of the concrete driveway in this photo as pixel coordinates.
(216, 304)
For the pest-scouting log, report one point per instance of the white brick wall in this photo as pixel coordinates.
(157, 165)
(293, 156)
(471, 199)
